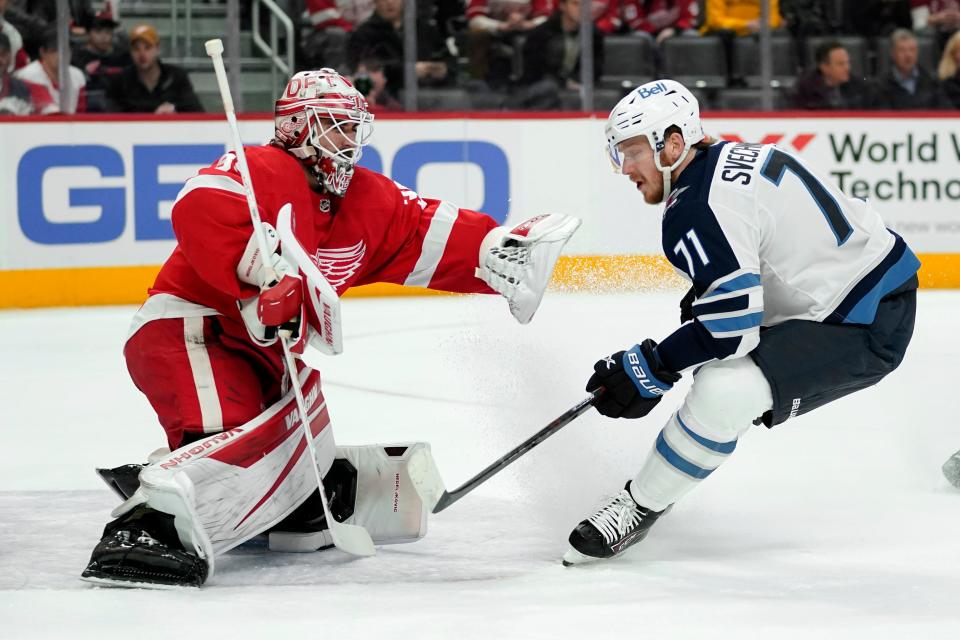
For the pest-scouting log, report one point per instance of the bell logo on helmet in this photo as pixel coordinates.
(646, 91)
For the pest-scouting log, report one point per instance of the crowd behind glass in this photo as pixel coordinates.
(512, 54)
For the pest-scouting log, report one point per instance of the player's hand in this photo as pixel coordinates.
(280, 305)
(635, 381)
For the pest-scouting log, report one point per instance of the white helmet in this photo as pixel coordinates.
(314, 104)
(648, 111)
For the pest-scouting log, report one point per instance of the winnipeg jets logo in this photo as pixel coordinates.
(339, 265)
(674, 198)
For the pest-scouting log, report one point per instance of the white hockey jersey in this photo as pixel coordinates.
(765, 239)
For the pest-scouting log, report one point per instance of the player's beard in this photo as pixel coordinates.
(653, 194)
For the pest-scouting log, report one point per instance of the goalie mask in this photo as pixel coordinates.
(323, 121)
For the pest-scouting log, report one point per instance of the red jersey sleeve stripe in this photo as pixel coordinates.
(434, 244)
(209, 181)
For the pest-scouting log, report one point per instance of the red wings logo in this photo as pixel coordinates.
(339, 265)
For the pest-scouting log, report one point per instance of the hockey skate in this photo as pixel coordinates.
(142, 549)
(618, 524)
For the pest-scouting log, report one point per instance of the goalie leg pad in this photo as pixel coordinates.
(227, 488)
(370, 486)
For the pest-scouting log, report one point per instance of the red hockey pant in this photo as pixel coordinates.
(202, 375)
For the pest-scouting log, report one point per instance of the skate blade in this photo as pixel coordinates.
(573, 557)
(129, 584)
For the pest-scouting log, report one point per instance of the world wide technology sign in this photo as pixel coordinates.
(99, 193)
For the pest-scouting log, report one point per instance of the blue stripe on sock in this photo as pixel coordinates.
(719, 447)
(678, 461)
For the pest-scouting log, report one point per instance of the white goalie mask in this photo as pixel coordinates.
(648, 111)
(310, 122)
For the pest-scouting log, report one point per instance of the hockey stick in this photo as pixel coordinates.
(426, 479)
(350, 538)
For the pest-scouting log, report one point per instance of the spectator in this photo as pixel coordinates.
(149, 85)
(551, 58)
(14, 94)
(380, 37)
(99, 60)
(330, 23)
(941, 17)
(949, 70)
(495, 30)
(80, 13)
(371, 81)
(829, 85)
(742, 17)
(908, 85)
(42, 78)
(661, 19)
(874, 18)
(18, 57)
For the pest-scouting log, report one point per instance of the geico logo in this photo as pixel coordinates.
(645, 92)
(97, 209)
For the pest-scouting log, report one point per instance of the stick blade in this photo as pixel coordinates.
(445, 501)
(352, 539)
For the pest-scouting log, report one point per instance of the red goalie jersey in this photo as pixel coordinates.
(378, 232)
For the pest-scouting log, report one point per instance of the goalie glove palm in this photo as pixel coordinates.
(518, 263)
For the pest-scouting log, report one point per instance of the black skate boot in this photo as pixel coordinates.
(142, 549)
(619, 523)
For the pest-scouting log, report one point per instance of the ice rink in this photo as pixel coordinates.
(838, 524)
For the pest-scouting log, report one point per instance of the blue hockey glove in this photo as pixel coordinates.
(634, 380)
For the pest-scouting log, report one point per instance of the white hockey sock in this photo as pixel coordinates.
(680, 459)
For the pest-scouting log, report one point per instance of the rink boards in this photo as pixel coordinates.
(86, 202)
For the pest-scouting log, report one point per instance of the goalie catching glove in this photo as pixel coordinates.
(517, 263)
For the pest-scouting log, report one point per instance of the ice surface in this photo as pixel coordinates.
(837, 524)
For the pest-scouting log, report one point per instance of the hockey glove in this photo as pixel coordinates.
(517, 263)
(280, 305)
(634, 380)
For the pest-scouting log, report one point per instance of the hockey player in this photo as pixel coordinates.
(204, 347)
(800, 296)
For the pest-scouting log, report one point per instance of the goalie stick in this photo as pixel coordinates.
(350, 538)
(426, 478)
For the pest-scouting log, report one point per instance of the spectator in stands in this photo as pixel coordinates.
(330, 24)
(810, 18)
(18, 57)
(661, 19)
(380, 37)
(939, 17)
(829, 85)
(149, 85)
(42, 78)
(551, 58)
(495, 30)
(80, 13)
(873, 18)
(99, 59)
(908, 85)
(742, 17)
(14, 94)
(730, 19)
(371, 80)
(949, 70)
